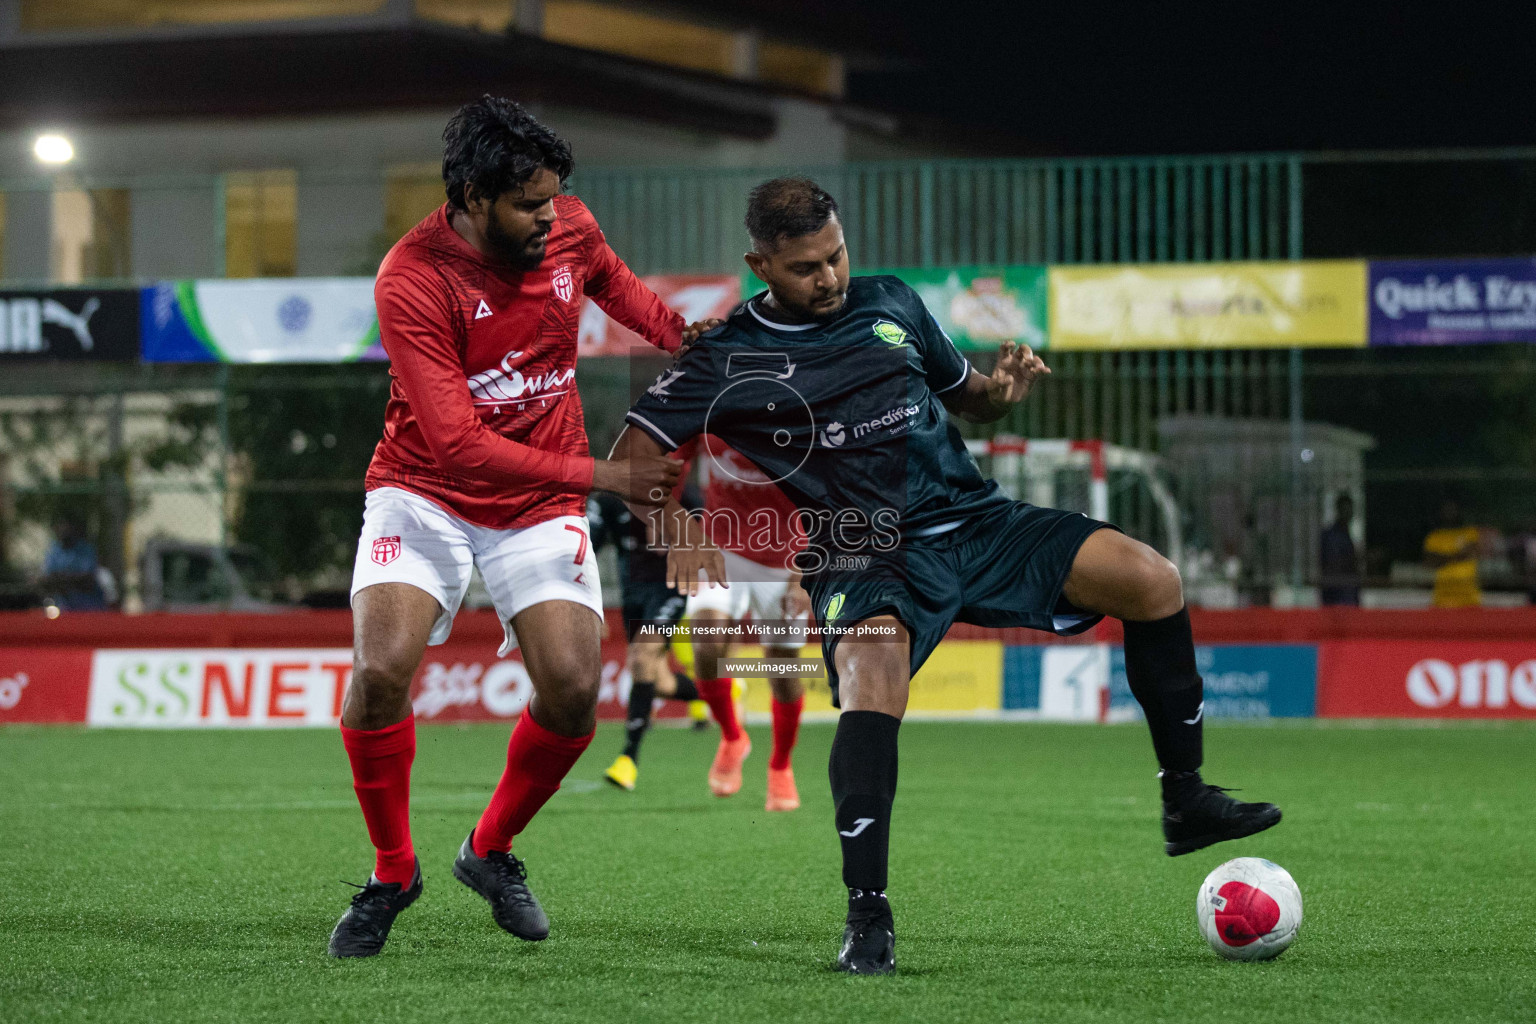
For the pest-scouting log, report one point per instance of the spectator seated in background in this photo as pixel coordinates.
(1451, 550)
(1339, 565)
(72, 575)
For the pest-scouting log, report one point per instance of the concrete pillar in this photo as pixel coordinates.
(529, 17)
(176, 232)
(808, 133)
(340, 225)
(10, 19)
(744, 54)
(28, 234)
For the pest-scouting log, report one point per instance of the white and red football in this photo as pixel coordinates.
(1249, 909)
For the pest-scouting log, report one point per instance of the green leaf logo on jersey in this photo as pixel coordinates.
(891, 334)
(835, 607)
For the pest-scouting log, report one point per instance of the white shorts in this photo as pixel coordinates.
(408, 539)
(754, 588)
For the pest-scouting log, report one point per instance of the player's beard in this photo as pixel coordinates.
(512, 250)
(827, 316)
(832, 314)
(810, 314)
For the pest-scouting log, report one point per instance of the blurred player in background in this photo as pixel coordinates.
(757, 529)
(1451, 550)
(484, 463)
(651, 607)
(909, 537)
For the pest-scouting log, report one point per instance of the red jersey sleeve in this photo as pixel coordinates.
(623, 296)
(416, 328)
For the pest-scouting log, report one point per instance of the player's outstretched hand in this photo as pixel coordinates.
(1016, 371)
(642, 479)
(685, 561)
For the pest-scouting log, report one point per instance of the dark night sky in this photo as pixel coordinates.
(1097, 77)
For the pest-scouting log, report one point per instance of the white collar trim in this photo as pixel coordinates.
(752, 308)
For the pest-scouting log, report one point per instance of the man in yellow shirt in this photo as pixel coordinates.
(1451, 550)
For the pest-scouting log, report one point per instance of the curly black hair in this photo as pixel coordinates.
(787, 208)
(498, 145)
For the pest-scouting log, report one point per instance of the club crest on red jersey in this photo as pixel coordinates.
(386, 550)
(565, 284)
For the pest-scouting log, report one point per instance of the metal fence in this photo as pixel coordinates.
(914, 213)
(934, 213)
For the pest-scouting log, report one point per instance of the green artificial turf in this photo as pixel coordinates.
(194, 876)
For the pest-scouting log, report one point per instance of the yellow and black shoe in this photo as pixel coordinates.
(623, 773)
(698, 712)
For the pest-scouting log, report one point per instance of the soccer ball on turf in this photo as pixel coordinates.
(1249, 909)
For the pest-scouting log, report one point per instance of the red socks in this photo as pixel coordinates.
(381, 775)
(537, 760)
(786, 730)
(717, 694)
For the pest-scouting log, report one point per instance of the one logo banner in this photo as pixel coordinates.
(1317, 303)
(1450, 302)
(1405, 679)
(70, 323)
(44, 684)
(290, 320)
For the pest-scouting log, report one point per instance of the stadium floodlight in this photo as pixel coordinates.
(53, 149)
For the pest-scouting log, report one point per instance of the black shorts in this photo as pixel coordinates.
(1005, 567)
(653, 602)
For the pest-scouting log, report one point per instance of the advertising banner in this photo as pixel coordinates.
(44, 684)
(962, 677)
(287, 320)
(1062, 682)
(164, 688)
(1428, 679)
(981, 306)
(332, 320)
(1086, 682)
(278, 687)
(468, 683)
(1452, 302)
(1241, 681)
(1316, 303)
(976, 306)
(694, 296)
(70, 323)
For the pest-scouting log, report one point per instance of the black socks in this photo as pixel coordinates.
(863, 772)
(685, 688)
(638, 718)
(1160, 667)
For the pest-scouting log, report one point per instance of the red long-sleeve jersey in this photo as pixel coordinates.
(483, 415)
(744, 510)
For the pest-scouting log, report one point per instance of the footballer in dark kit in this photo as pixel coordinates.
(841, 389)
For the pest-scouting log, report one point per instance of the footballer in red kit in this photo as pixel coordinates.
(484, 463)
(759, 533)
(758, 530)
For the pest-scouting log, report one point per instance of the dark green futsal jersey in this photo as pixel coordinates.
(846, 417)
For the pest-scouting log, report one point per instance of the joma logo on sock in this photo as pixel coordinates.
(859, 825)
